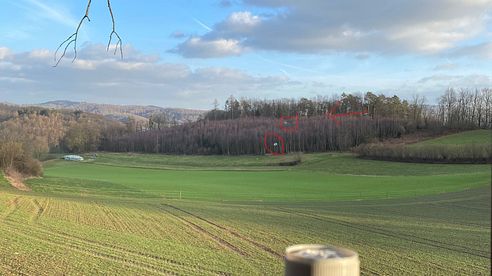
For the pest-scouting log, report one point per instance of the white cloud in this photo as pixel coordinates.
(196, 47)
(481, 51)
(440, 82)
(40, 54)
(381, 26)
(446, 66)
(4, 52)
(221, 41)
(237, 25)
(98, 76)
(140, 79)
(243, 19)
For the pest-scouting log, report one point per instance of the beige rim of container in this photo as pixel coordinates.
(345, 263)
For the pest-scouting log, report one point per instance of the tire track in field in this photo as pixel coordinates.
(403, 213)
(12, 206)
(412, 237)
(121, 250)
(437, 265)
(399, 204)
(117, 223)
(70, 245)
(347, 224)
(232, 232)
(403, 236)
(402, 271)
(364, 228)
(467, 207)
(205, 232)
(38, 210)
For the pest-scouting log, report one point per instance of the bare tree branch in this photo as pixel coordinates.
(113, 32)
(73, 38)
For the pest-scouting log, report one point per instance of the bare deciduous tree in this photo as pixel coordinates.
(73, 38)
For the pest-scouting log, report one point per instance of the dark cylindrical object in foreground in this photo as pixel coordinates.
(320, 260)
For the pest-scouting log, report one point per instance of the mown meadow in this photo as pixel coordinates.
(139, 214)
(479, 136)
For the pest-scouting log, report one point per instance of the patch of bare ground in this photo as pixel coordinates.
(16, 179)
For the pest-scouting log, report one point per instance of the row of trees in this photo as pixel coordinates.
(466, 108)
(247, 136)
(467, 153)
(462, 108)
(27, 133)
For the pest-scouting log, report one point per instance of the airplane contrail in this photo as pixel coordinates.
(289, 65)
(205, 26)
(285, 73)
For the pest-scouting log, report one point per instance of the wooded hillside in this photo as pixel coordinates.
(251, 126)
(244, 126)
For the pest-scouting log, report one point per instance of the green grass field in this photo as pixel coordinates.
(480, 136)
(3, 181)
(155, 214)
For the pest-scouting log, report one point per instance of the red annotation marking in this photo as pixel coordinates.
(278, 144)
(289, 123)
(333, 116)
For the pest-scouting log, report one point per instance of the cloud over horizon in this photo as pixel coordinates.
(144, 79)
(98, 76)
(318, 26)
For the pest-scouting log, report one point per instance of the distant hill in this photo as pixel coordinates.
(122, 112)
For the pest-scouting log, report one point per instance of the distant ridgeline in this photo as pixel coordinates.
(174, 116)
(245, 126)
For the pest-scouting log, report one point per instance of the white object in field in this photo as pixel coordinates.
(275, 144)
(73, 158)
(320, 260)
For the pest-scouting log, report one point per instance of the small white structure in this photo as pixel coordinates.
(73, 158)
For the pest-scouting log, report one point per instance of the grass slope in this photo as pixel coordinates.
(108, 217)
(3, 181)
(287, 185)
(334, 163)
(480, 136)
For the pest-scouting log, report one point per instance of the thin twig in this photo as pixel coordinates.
(72, 39)
(113, 32)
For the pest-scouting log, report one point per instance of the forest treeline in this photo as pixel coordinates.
(247, 136)
(456, 108)
(244, 126)
(28, 132)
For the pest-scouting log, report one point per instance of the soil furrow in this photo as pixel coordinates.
(124, 251)
(402, 236)
(205, 232)
(234, 233)
(89, 251)
(12, 206)
(346, 224)
(38, 210)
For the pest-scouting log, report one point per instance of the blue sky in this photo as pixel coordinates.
(187, 53)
